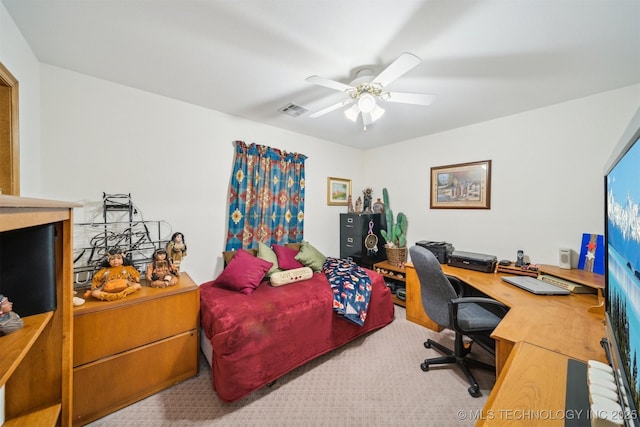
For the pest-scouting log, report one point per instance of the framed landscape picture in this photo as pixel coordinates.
(461, 186)
(338, 191)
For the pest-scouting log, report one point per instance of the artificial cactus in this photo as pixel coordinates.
(395, 234)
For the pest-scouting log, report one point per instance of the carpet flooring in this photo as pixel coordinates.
(375, 380)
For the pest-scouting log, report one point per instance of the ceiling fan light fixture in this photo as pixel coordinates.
(376, 113)
(352, 113)
(364, 89)
(367, 103)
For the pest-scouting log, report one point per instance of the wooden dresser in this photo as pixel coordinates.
(129, 349)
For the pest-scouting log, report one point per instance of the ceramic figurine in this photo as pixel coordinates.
(367, 192)
(161, 272)
(9, 319)
(177, 249)
(378, 206)
(115, 280)
(358, 205)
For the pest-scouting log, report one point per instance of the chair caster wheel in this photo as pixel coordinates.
(424, 366)
(474, 391)
(427, 344)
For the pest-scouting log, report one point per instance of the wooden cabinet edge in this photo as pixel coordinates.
(50, 405)
(42, 417)
(17, 344)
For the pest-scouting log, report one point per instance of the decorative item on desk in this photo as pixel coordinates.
(527, 269)
(592, 253)
(395, 235)
(367, 197)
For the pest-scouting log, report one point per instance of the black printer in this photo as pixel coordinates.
(442, 250)
(473, 261)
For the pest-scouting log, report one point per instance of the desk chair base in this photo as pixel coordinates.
(460, 358)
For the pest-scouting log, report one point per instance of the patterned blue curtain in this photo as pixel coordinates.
(266, 197)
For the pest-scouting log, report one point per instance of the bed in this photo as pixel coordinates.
(251, 339)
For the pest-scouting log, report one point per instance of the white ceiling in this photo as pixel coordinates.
(249, 58)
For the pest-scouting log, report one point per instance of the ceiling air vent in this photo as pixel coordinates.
(293, 110)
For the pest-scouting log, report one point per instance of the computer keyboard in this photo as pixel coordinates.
(566, 284)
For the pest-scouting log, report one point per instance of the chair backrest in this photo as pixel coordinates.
(435, 289)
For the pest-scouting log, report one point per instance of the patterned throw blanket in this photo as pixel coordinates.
(351, 288)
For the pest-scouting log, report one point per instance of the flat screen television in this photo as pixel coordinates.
(622, 266)
(27, 269)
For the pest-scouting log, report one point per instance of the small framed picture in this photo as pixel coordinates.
(461, 186)
(338, 191)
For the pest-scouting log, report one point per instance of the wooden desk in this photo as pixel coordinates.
(530, 391)
(534, 341)
(558, 323)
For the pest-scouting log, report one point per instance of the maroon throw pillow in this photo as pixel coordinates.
(286, 257)
(243, 273)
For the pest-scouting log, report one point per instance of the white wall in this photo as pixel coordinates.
(174, 158)
(80, 136)
(17, 57)
(547, 177)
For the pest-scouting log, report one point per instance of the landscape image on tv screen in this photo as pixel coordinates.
(623, 258)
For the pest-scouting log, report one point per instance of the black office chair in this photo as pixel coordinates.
(473, 317)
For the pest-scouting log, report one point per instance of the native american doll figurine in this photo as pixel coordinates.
(116, 280)
(177, 249)
(161, 272)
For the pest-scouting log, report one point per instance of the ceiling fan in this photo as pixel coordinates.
(367, 89)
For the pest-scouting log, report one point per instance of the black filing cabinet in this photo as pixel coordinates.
(354, 229)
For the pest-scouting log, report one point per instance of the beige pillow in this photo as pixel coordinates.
(290, 276)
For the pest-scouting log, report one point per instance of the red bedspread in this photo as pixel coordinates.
(257, 338)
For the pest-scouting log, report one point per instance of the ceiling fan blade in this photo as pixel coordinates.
(331, 84)
(330, 108)
(409, 98)
(397, 68)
